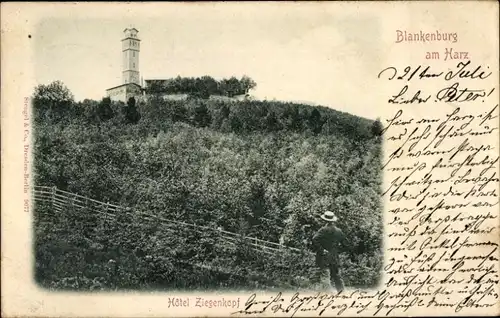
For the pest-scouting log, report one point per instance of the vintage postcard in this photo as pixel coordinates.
(250, 159)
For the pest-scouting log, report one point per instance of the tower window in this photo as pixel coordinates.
(133, 64)
(133, 54)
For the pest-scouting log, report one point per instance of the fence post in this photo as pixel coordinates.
(54, 197)
(106, 215)
(68, 201)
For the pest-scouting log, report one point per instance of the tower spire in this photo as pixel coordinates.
(131, 50)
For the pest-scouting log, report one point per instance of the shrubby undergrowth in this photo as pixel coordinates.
(262, 169)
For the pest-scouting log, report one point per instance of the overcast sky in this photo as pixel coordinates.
(292, 54)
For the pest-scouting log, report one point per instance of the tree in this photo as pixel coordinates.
(200, 90)
(202, 117)
(377, 128)
(210, 85)
(225, 111)
(256, 202)
(224, 87)
(89, 109)
(247, 84)
(232, 86)
(271, 122)
(220, 116)
(131, 114)
(235, 122)
(52, 101)
(292, 118)
(104, 111)
(315, 122)
(178, 112)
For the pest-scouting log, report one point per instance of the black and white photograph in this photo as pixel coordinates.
(204, 151)
(250, 159)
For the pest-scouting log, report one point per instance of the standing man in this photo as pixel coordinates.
(326, 244)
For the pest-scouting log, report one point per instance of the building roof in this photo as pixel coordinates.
(124, 85)
(129, 37)
(130, 34)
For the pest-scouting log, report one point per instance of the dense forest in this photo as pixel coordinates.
(201, 87)
(262, 169)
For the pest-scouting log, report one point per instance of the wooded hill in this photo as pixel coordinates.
(264, 169)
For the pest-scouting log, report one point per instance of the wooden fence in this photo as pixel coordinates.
(61, 199)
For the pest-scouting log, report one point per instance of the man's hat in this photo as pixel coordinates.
(329, 216)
